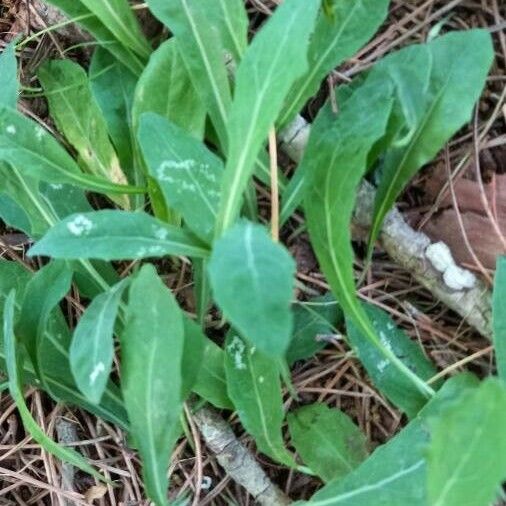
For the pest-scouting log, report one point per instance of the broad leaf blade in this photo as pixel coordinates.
(395, 474)
(255, 389)
(252, 279)
(188, 174)
(336, 38)
(460, 63)
(9, 76)
(116, 235)
(13, 369)
(92, 348)
(327, 440)
(165, 88)
(151, 357)
(462, 437)
(273, 61)
(499, 317)
(382, 371)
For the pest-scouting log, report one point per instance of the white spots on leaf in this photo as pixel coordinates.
(190, 187)
(99, 368)
(455, 277)
(161, 233)
(382, 365)
(385, 341)
(11, 130)
(236, 350)
(252, 350)
(80, 225)
(39, 133)
(56, 186)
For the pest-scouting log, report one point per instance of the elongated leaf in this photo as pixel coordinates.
(116, 235)
(211, 382)
(203, 55)
(43, 292)
(255, 389)
(27, 145)
(382, 371)
(499, 317)
(85, 17)
(327, 440)
(336, 38)
(336, 169)
(396, 473)
(113, 86)
(188, 173)
(80, 120)
(151, 357)
(193, 353)
(273, 61)
(317, 317)
(9, 76)
(12, 359)
(462, 440)
(165, 88)
(252, 279)
(453, 92)
(117, 15)
(231, 22)
(92, 348)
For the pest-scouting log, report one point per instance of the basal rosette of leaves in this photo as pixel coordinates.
(171, 139)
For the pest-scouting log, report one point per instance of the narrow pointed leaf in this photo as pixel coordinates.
(13, 369)
(151, 357)
(272, 62)
(92, 348)
(252, 279)
(255, 389)
(460, 63)
(165, 88)
(499, 317)
(193, 355)
(116, 235)
(203, 54)
(9, 76)
(27, 145)
(382, 371)
(188, 174)
(465, 434)
(327, 440)
(336, 38)
(79, 119)
(336, 169)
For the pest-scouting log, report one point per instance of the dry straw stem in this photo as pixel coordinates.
(431, 264)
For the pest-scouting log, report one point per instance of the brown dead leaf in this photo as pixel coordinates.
(95, 492)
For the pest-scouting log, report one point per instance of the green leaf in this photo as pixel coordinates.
(396, 473)
(273, 61)
(80, 120)
(252, 279)
(165, 88)
(9, 76)
(188, 174)
(460, 63)
(92, 348)
(463, 438)
(118, 17)
(316, 317)
(27, 145)
(336, 168)
(203, 55)
(77, 12)
(381, 370)
(335, 39)
(151, 357)
(211, 381)
(116, 235)
(255, 389)
(12, 359)
(113, 86)
(327, 440)
(499, 317)
(43, 293)
(193, 354)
